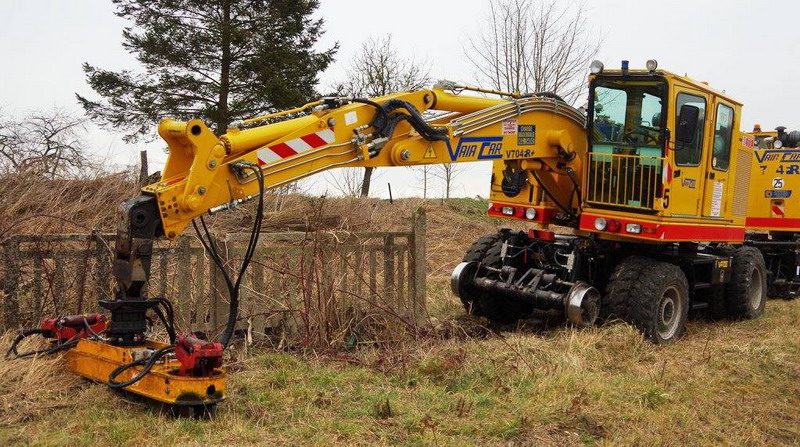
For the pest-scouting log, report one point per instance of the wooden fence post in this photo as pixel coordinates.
(143, 170)
(102, 262)
(389, 285)
(183, 272)
(10, 284)
(420, 269)
(219, 290)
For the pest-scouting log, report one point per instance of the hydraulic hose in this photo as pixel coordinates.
(551, 196)
(30, 332)
(148, 365)
(233, 286)
(415, 119)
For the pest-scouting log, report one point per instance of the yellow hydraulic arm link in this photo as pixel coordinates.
(206, 173)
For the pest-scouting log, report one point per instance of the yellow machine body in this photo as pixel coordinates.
(95, 360)
(774, 185)
(670, 195)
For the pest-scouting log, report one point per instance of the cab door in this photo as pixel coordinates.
(718, 161)
(688, 162)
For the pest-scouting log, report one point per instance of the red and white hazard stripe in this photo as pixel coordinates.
(666, 175)
(295, 146)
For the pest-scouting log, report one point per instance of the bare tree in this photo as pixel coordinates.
(379, 70)
(49, 143)
(535, 46)
(447, 174)
(424, 175)
(281, 193)
(346, 181)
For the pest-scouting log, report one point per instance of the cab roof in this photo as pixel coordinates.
(699, 85)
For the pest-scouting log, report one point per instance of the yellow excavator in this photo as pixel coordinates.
(650, 186)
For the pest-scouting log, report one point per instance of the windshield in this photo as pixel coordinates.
(628, 113)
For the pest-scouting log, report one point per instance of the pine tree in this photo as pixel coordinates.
(217, 60)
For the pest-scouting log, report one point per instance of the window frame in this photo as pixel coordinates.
(702, 135)
(630, 77)
(730, 136)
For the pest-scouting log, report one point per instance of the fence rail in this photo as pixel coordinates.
(318, 286)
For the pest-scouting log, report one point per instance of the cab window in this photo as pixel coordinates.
(691, 154)
(723, 130)
(627, 116)
(610, 107)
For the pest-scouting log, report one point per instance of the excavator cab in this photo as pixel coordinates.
(626, 141)
(664, 151)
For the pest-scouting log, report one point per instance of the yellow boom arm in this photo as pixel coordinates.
(208, 173)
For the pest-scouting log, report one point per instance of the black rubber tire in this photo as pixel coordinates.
(478, 250)
(660, 287)
(746, 293)
(500, 311)
(619, 285)
(477, 253)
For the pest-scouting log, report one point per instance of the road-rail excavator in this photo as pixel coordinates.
(664, 205)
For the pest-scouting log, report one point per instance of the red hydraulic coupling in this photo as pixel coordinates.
(73, 326)
(198, 357)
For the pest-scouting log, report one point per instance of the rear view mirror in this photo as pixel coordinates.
(686, 125)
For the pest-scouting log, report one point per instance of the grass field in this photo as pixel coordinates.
(724, 383)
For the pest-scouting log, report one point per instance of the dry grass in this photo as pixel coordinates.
(725, 383)
(34, 387)
(30, 205)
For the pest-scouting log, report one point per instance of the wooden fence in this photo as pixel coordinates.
(319, 286)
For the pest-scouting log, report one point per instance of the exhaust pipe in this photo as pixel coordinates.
(578, 301)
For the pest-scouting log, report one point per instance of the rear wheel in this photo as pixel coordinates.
(746, 294)
(659, 302)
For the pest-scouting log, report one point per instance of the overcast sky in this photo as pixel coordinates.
(747, 48)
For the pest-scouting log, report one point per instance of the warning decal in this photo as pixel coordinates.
(430, 153)
(716, 199)
(510, 126)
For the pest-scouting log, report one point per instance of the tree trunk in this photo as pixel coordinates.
(223, 118)
(425, 182)
(365, 183)
(143, 169)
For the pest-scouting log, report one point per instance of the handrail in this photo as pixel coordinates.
(620, 180)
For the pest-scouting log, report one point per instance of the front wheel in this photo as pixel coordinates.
(659, 303)
(477, 253)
